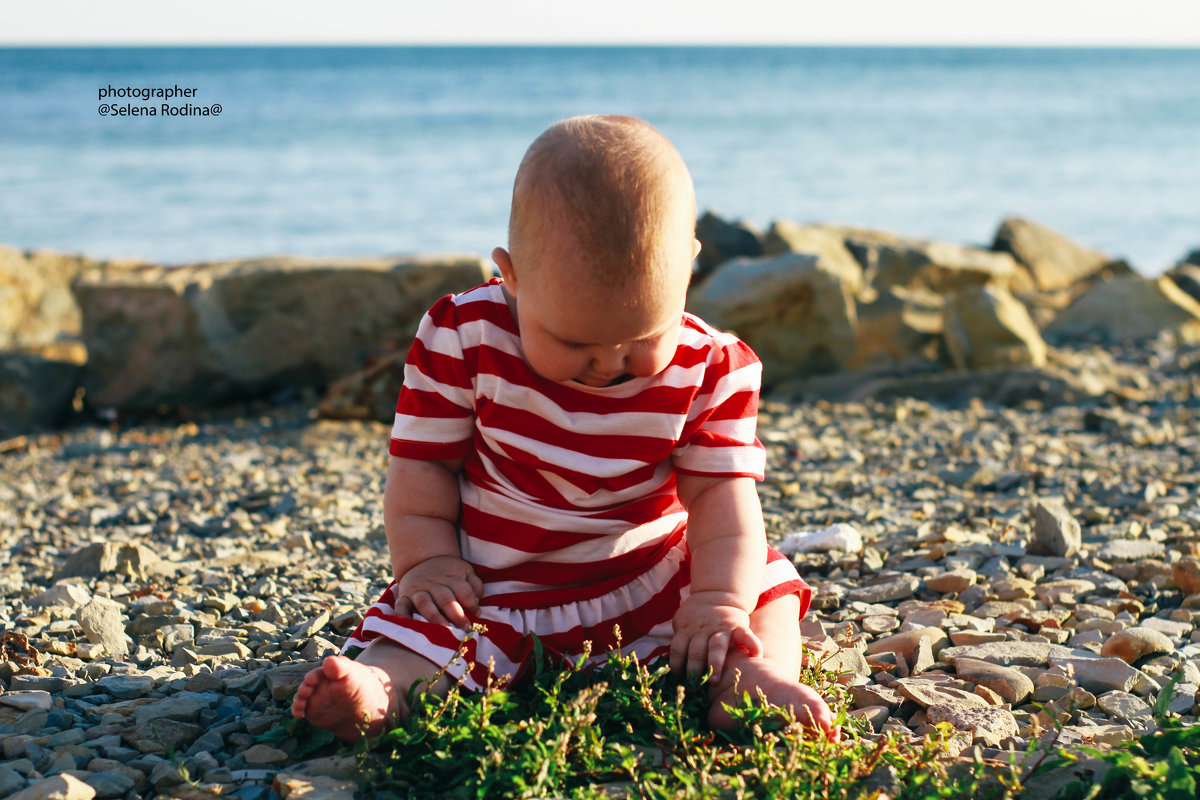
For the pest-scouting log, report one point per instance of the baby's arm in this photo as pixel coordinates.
(421, 505)
(728, 547)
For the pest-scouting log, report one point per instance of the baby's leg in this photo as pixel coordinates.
(353, 698)
(776, 672)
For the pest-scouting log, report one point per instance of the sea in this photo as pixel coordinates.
(343, 151)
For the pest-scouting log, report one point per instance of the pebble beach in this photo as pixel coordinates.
(166, 584)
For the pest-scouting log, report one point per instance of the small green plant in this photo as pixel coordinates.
(1162, 765)
(627, 730)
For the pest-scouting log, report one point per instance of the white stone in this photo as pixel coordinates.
(58, 787)
(104, 624)
(836, 537)
(70, 595)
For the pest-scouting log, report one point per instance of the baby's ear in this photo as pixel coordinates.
(504, 262)
(695, 248)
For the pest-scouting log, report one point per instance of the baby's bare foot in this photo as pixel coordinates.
(780, 690)
(350, 699)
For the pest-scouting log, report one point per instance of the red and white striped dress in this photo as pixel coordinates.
(569, 509)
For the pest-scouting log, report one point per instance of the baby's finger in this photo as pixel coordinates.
(428, 608)
(456, 614)
(697, 654)
(475, 584)
(747, 641)
(678, 653)
(466, 595)
(718, 647)
(449, 606)
(403, 607)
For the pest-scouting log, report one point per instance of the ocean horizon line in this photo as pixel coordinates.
(998, 46)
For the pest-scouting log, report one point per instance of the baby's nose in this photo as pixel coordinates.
(609, 359)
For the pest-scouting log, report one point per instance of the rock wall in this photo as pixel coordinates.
(837, 310)
(210, 333)
(920, 307)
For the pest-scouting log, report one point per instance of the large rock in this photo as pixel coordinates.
(209, 333)
(1130, 308)
(890, 260)
(898, 327)
(935, 266)
(988, 328)
(1186, 275)
(795, 310)
(1053, 261)
(36, 306)
(785, 236)
(721, 240)
(35, 392)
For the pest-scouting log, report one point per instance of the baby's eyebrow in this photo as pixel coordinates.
(646, 338)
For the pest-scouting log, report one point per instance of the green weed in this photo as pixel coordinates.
(627, 730)
(1162, 765)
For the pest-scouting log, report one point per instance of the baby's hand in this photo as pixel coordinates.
(706, 625)
(443, 589)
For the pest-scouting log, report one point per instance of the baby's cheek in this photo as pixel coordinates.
(654, 361)
(553, 363)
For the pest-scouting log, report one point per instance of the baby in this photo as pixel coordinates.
(575, 457)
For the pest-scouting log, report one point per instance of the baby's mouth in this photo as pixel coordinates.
(599, 382)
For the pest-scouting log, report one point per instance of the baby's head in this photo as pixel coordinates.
(601, 243)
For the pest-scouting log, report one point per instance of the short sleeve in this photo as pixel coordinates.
(435, 414)
(719, 437)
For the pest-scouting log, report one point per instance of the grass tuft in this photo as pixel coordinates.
(626, 730)
(1160, 765)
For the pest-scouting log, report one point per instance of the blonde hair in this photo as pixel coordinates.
(615, 183)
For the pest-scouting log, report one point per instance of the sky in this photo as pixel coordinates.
(1155, 23)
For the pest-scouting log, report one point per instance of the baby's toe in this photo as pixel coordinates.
(335, 668)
